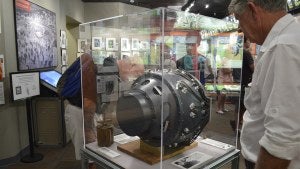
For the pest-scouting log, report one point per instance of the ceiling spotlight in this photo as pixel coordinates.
(206, 6)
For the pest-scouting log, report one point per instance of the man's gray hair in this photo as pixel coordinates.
(239, 6)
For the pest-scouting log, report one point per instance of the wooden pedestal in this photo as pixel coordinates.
(149, 154)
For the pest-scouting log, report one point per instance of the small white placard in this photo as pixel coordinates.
(25, 85)
(218, 144)
(123, 138)
(192, 161)
(107, 152)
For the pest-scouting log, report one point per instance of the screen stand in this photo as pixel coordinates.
(32, 157)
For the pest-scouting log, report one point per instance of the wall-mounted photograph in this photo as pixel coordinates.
(111, 44)
(36, 38)
(97, 43)
(125, 55)
(64, 57)
(63, 39)
(125, 45)
(135, 44)
(144, 45)
(81, 45)
(2, 68)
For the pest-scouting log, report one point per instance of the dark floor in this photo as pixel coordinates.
(64, 158)
(54, 158)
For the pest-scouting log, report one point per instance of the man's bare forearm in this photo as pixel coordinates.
(267, 160)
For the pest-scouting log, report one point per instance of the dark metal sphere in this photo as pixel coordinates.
(168, 103)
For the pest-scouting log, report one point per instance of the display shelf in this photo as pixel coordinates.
(220, 157)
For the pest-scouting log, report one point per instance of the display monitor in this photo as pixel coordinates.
(50, 79)
(25, 85)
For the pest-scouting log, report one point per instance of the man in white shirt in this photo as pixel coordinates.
(270, 137)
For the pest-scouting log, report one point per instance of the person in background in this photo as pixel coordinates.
(204, 68)
(270, 136)
(188, 60)
(247, 71)
(168, 62)
(224, 77)
(70, 89)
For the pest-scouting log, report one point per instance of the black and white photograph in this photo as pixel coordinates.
(125, 46)
(110, 44)
(2, 68)
(36, 37)
(125, 55)
(112, 54)
(63, 39)
(144, 45)
(136, 54)
(192, 161)
(81, 45)
(97, 43)
(64, 57)
(18, 90)
(135, 44)
(98, 56)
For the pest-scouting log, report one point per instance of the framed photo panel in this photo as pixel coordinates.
(81, 45)
(97, 43)
(111, 44)
(63, 39)
(125, 45)
(36, 43)
(134, 44)
(98, 56)
(135, 53)
(2, 68)
(144, 45)
(64, 57)
(125, 55)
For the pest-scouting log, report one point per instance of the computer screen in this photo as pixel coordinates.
(50, 78)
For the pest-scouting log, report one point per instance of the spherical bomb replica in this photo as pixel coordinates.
(171, 104)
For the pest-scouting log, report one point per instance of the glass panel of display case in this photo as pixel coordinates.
(151, 86)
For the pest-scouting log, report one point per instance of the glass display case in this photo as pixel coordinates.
(161, 89)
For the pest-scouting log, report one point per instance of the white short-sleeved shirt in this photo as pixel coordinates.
(272, 119)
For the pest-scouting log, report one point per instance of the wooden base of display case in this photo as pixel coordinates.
(150, 154)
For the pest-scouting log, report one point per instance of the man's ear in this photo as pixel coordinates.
(253, 9)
